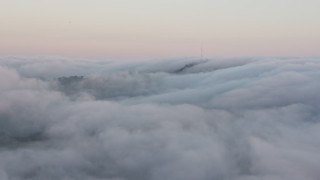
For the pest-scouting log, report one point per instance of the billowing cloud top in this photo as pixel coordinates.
(182, 119)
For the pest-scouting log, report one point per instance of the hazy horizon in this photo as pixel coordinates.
(155, 29)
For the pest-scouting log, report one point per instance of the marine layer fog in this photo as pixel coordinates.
(173, 119)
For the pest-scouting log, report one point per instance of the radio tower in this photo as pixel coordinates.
(201, 51)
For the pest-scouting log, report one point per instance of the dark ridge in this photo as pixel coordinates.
(69, 80)
(187, 66)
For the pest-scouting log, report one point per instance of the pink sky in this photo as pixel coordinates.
(153, 29)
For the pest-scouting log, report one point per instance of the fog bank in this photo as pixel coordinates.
(179, 119)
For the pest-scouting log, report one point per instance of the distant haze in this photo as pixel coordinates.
(152, 29)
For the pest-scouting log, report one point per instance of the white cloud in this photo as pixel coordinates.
(219, 119)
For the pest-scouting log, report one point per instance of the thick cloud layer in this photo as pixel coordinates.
(183, 119)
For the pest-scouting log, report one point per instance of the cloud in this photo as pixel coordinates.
(242, 119)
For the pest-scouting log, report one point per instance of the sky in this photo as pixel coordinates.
(156, 29)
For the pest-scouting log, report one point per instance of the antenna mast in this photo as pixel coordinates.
(201, 51)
